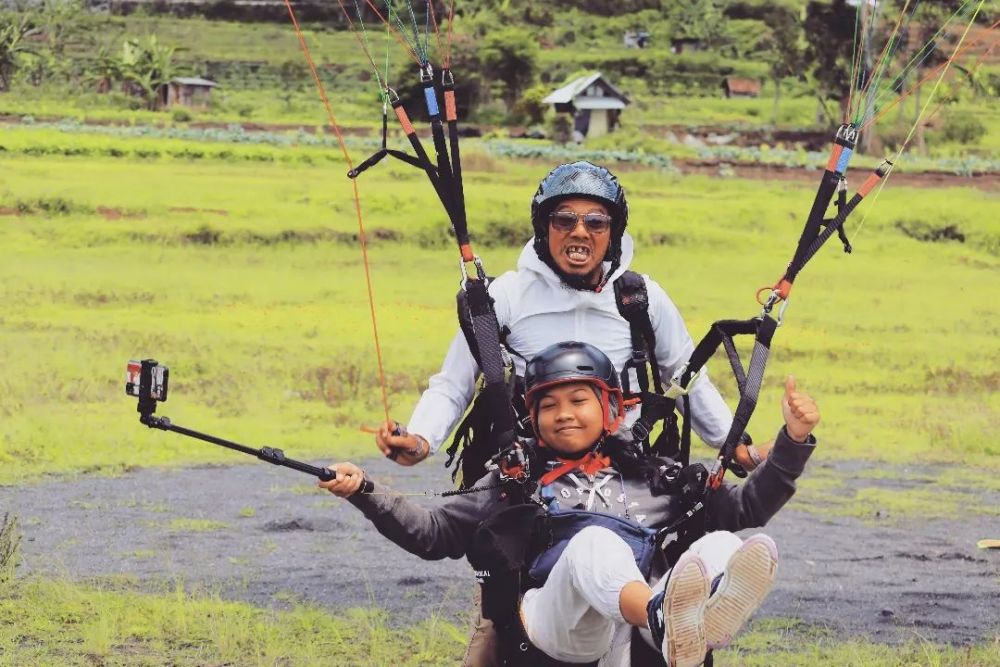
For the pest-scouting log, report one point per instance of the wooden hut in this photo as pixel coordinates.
(594, 103)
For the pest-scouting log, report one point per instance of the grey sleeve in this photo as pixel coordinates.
(752, 504)
(441, 531)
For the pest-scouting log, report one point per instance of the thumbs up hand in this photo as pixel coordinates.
(799, 410)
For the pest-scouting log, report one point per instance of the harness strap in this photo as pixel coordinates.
(458, 189)
(486, 332)
(632, 300)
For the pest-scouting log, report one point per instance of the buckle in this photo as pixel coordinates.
(676, 389)
(639, 430)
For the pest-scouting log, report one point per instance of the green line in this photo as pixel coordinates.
(855, 66)
(920, 116)
(881, 67)
(920, 55)
(364, 36)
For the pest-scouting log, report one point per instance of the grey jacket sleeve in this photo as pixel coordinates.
(441, 531)
(752, 504)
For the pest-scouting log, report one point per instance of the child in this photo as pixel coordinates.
(587, 581)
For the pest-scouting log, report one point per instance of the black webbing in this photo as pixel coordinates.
(824, 195)
(766, 326)
(749, 382)
(632, 300)
(832, 176)
(425, 163)
(486, 330)
(735, 363)
(458, 189)
(707, 346)
(685, 449)
(440, 149)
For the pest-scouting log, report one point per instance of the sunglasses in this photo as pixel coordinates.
(566, 221)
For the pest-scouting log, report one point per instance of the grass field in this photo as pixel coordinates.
(243, 276)
(62, 623)
(237, 265)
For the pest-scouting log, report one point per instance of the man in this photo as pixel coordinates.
(580, 247)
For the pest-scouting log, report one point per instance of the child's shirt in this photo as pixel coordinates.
(445, 530)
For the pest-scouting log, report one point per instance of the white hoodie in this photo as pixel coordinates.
(541, 310)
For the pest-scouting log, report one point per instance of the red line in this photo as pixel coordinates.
(931, 74)
(357, 200)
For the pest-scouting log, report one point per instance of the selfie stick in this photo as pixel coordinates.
(271, 455)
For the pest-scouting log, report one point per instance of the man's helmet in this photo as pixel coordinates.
(571, 361)
(579, 179)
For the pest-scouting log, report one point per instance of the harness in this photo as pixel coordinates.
(477, 438)
(517, 546)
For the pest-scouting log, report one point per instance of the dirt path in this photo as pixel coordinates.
(266, 535)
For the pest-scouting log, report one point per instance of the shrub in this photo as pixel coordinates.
(10, 547)
(963, 127)
(181, 115)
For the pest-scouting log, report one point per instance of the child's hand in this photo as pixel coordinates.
(348, 481)
(800, 412)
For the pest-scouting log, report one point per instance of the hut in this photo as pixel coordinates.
(189, 91)
(594, 103)
(636, 39)
(736, 87)
(679, 45)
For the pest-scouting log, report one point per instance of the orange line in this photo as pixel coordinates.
(361, 42)
(451, 22)
(437, 31)
(394, 31)
(357, 199)
(931, 74)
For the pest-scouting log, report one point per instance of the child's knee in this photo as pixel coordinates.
(594, 540)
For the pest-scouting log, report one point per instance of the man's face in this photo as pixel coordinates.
(570, 418)
(578, 245)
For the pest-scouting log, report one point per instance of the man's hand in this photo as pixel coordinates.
(347, 482)
(404, 448)
(800, 412)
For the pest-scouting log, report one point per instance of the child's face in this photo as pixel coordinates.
(570, 417)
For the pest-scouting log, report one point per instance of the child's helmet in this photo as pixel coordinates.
(573, 361)
(579, 179)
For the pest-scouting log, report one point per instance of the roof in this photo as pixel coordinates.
(193, 81)
(598, 103)
(738, 85)
(572, 93)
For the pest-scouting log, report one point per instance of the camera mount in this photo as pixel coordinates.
(147, 381)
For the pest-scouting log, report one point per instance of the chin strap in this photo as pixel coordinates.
(590, 463)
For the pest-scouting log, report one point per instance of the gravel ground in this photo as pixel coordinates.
(266, 535)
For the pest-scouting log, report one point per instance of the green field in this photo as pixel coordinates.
(243, 275)
(62, 624)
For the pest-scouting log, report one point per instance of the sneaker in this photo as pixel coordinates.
(745, 583)
(677, 613)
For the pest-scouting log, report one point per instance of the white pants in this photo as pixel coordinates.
(575, 616)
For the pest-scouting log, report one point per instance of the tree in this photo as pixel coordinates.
(700, 19)
(15, 32)
(926, 21)
(147, 66)
(510, 55)
(782, 48)
(829, 31)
